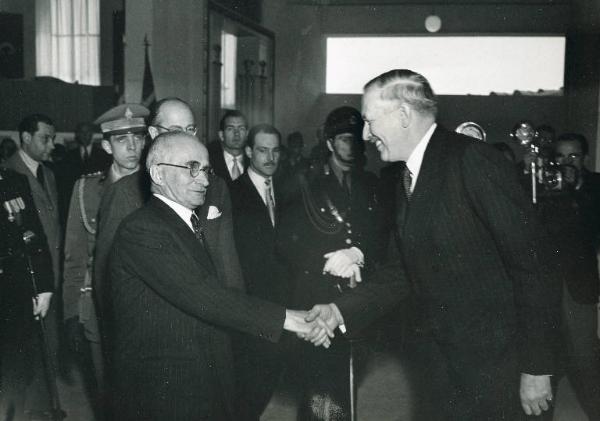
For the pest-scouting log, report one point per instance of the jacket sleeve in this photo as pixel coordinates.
(155, 257)
(502, 204)
(76, 256)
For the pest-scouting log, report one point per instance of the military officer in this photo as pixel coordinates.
(333, 221)
(124, 130)
(19, 345)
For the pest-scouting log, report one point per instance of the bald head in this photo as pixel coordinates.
(171, 114)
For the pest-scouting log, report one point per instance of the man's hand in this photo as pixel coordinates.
(345, 263)
(536, 393)
(41, 304)
(315, 330)
(329, 314)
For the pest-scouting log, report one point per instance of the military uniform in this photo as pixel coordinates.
(80, 241)
(18, 341)
(338, 209)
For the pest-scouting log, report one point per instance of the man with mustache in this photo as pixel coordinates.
(257, 203)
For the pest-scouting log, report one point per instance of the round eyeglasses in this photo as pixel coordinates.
(194, 166)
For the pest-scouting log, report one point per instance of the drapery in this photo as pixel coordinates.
(68, 40)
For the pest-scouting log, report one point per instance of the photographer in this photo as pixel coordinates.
(569, 204)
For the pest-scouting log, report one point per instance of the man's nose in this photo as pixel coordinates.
(366, 134)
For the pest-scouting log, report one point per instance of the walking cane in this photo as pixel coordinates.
(352, 390)
(56, 412)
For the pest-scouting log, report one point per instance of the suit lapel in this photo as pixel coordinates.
(255, 200)
(184, 233)
(429, 182)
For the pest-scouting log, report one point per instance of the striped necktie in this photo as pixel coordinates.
(269, 199)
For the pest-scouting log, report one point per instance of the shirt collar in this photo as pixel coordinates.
(31, 163)
(229, 158)
(183, 212)
(415, 160)
(259, 182)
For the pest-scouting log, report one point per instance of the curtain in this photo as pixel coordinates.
(68, 40)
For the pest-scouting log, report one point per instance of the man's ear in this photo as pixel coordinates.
(329, 143)
(26, 138)
(106, 146)
(405, 113)
(153, 132)
(156, 175)
(248, 150)
(221, 137)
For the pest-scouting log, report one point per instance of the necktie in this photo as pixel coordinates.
(197, 228)
(85, 155)
(235, 169)
(269, 199)
(407, 182)
(39, 174)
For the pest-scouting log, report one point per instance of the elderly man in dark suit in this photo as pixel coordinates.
(171, 311)
(470, 253)
(257, 205)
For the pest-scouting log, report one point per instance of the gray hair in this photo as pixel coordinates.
(407, 87)
(162, 144)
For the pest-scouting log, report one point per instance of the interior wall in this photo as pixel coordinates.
(176, 31)
(300, 102)
(26, 8)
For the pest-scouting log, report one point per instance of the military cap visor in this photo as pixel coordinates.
(124, 118)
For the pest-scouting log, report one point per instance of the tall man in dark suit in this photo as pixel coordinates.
(19, 344)
(227, 156)
(171, 311)
(256, 208)
(37, 134)
(469, 251)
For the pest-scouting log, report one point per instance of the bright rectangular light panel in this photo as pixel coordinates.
(454, 65)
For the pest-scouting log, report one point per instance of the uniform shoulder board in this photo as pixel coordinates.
(93, 174)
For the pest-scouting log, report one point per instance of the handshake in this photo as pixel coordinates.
(316, 325)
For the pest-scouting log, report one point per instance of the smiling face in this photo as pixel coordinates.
(386, 125)
(177, 183)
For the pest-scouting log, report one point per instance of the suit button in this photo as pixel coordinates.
(349, 231)
(348, 241)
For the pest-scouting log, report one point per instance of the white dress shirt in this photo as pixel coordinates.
(259, 182)
(230, 159)
(415, 160)
(183, 212)
(31, 163)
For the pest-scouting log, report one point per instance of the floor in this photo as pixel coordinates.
(382, 396)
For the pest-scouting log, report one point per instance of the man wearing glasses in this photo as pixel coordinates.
(169, 115)
(172, 313)
(124, 134)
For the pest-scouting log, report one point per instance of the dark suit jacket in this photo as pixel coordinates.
(264, 273)
(470, 249)
(217, 161)
(172, 353)
(130, 193)
(46, 203)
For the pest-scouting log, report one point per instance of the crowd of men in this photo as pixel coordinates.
(186, 277)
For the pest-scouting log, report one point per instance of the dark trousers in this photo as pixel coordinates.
(449, 384)
(581, 353)
(258, 368)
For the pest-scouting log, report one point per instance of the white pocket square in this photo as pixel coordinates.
(213, 212)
